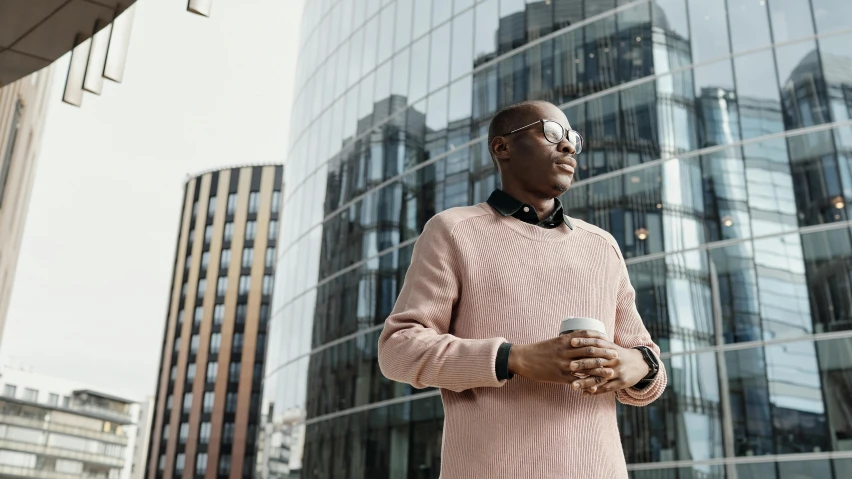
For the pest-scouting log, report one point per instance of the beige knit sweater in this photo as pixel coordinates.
(478, 279)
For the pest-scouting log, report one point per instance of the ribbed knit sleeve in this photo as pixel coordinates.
(415, 346)
(630, 332)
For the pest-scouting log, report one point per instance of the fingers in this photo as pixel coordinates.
(590, 352)
(591, 341)
(588, 382)
(584, 365)
(610, 386)
(586, 333)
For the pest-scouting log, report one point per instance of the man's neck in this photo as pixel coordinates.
(543, 206)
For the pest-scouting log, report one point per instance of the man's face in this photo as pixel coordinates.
(534, 162)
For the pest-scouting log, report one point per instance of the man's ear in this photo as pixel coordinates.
(500, 148)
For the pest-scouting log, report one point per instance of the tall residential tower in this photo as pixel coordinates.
(208, 395)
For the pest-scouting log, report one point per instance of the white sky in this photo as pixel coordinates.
(92, 283)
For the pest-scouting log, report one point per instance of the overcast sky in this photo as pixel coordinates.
(92, 283)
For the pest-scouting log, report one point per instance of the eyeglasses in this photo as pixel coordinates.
(555, 133)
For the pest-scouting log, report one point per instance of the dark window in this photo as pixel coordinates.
(248, 257)
(264, 313)
(276, 201)
(229, 231)
(204, 433)
(270, 257)
(199, 313)
(202, 287)
(211, 206)
(232, 203)
(267, 284)
(273, 230)
(193, 344)
(187, 402)
(234, 375)
(237, 346)
(212, 371)
(201, 463)
(228, 433)
(180, 461)
(222, 286)
(231, 402)
(251, 230)
(208, 234)
(215, 342)
(184, 432)
(190, 374)
(245, 284)
(218, 314)
(209, 397)
(225, 464)
(205, 260)
(241, 313)
(253, 202)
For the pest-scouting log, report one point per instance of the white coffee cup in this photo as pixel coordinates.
(572, 324)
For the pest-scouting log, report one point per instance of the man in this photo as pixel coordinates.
(479, 313)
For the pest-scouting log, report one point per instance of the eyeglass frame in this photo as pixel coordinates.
(543, 121)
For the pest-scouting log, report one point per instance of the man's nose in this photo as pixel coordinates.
(565, 146)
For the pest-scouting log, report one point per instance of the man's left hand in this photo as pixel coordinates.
(627, 369)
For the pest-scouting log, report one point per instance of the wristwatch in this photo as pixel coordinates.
(653, 366)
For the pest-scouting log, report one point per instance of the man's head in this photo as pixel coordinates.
(526, 158)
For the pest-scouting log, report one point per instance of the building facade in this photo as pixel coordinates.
(718, 154)
(52, 428)
(143, 438)
(23, 107)
(208, 393)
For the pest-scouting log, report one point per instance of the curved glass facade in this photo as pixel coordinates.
(719, 155)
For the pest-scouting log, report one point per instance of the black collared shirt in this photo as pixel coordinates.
(508, 205)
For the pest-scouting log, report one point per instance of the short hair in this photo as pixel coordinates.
(506, 120)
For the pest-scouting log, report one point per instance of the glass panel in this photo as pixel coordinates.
(802, 86)
(404, 9)
(399, 86)
(462, 45)
(836, 61)
(485, 32)
(828, 256)
(709, 28)
(386, 23)
(716, 105)
(419, 69)
(749, 20)
(684, 424)
(441, 11)
(422, 17)
(757, 98)
(791, 19)
(439, 68)
(831, 14)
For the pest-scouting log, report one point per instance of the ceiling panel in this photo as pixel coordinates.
(14, 66)
(55, 36)
(19, 16)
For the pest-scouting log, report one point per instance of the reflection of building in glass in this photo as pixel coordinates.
(731, 213)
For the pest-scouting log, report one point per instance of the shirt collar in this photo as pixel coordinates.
(508, 205)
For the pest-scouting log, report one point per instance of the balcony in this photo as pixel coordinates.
(43, 450)
(63, 428)
(11, 471)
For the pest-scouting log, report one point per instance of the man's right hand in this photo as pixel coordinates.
(551, 360)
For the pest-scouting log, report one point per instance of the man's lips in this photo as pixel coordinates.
(566, 165)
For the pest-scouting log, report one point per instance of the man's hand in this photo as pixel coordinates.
(551, 360)
(622, 372)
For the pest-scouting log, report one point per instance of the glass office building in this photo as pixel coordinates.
(719, 155)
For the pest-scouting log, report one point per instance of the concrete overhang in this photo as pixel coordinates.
(35, 33)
